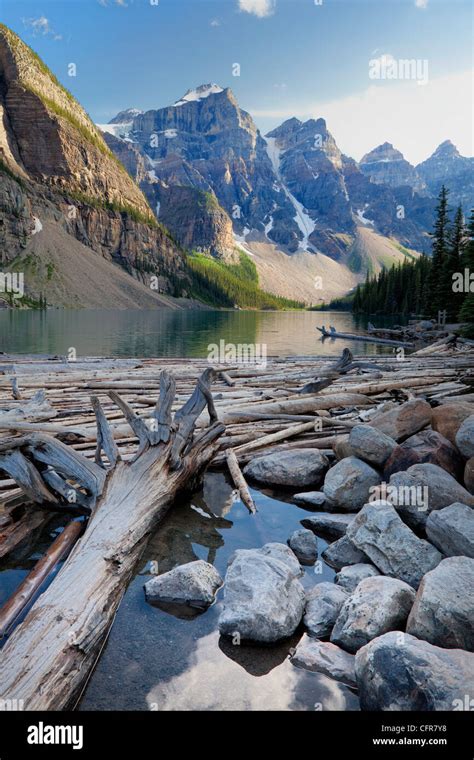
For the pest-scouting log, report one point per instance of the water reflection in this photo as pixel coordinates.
(157, 660)
(165, 333)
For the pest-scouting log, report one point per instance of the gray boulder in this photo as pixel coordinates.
(443, 612)
(263, 598)
(303, 543)
(390, 544)
(451, 530)
(465, 437)
(300, 468)
(371, 445)
(312, 499)
(405, 420)
(399, 672)
(328, 524)
(377, 605)
(343, 552)
(324, 657)
(349, 577)
(348, 484)
(323, 604)
(422, 489)
(194, 584)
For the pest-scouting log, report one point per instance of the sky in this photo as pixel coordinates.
(337, 59)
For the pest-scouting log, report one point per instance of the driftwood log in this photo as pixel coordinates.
(50, 656)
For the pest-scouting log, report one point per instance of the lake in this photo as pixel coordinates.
(175, 333)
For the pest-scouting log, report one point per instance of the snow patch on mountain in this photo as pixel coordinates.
(117, 130)
(200, 93)
(302, 219)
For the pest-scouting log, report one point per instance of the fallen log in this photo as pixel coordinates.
(49, 657)
(239, 481)
(367, 338)
(34, 580)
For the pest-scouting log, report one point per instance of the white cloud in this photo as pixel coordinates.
(215, 22)
(105, 3)
(260, 8)
(41, 27)
(421, 3)
(415, 119)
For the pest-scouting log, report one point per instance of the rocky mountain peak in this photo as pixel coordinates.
(199, 93)
(446, 149)
(123, 117)
(384, 152)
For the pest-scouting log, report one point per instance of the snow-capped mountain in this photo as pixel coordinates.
(446, 165)
(293, 187)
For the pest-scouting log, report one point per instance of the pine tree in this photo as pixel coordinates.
(452, 264)
(438, 288)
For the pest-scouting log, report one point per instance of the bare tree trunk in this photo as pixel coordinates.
(50, 656)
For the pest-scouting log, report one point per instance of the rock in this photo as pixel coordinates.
(327, 524)
(194, 584)
(323, 605)
(378, 605)
(349, 577)
(443, 613)
(390, 544)
(451, 530)
(469, 475)
(348, 484)
(447, 418)
(324, 657)
(426, 446)
(263, 598)
(398, 672)
(312, 499)
(423, 488)
(303, 543)
(280, 552)
(465, 437)
(343, 552)
(404, 420)
(299, 468)
(342, 447)
(371, 445)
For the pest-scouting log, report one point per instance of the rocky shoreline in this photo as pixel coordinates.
(396, 504)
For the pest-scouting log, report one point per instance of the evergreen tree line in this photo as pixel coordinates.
(425, 286)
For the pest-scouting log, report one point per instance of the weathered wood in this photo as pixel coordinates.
(239, 481)
(49, 657)
(105, 438)
(331, 333)
(42, 570)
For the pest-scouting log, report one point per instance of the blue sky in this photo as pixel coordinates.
(296, 57)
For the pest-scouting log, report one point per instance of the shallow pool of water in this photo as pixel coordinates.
(154, 660)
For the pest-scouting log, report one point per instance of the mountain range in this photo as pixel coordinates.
(96, 214)
(290, 192)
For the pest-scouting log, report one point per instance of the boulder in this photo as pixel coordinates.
(342, 447)
(397, 672)
(404, 420)
(299, 468)
(303, 543)
(349, 577)
(328, 524)
(193, 584)
(324, 657)
(263, 598)
(323, 605)
(371, 445)
(423, 488)
(425, 446)
(310, 499)
(376, 606)
(465, 437)
(390, 544)
(348, 484)
(451, 530)
(469, 475)
(447, 418)
(443, 613)
(343, 552)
